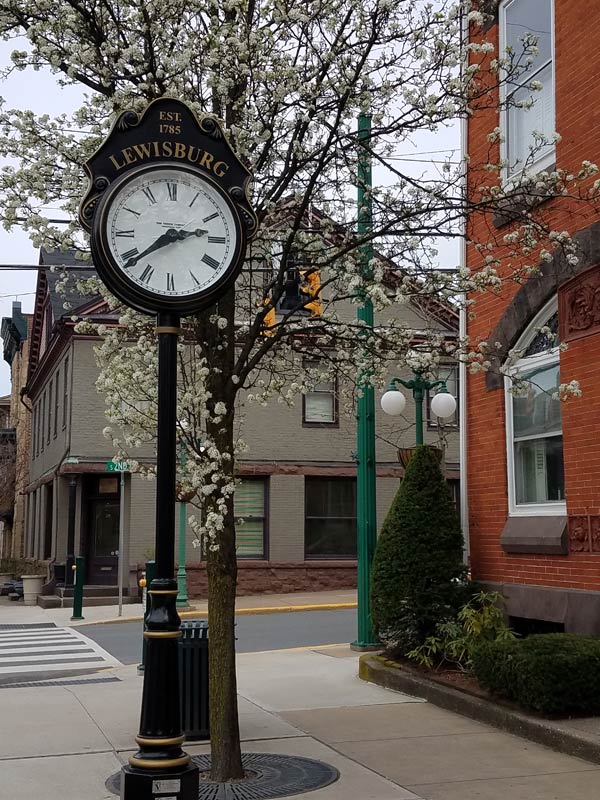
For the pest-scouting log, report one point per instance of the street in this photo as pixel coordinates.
(254, 632)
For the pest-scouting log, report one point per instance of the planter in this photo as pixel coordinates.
(406, 453)
(5, 577)
(32, 586)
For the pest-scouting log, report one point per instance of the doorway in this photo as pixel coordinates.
(102, 530)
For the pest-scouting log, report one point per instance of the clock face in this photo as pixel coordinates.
(170, 232)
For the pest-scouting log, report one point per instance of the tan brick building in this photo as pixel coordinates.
(298, 477)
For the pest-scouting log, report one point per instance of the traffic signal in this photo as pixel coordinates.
(312, 289)
(300, 285)
(292, 298)
(269, 319)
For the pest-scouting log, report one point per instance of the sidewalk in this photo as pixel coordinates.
(62, 742)
(12, 613)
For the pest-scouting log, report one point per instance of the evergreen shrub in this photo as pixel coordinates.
(418, 578)
(552, 673)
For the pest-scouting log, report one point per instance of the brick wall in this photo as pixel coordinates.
(576, 93)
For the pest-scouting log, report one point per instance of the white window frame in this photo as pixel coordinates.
(517, 365)
(546, 160)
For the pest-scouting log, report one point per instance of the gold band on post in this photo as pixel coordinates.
(163, 591)
(143, 741)
(162, 634)
(157, 763)
(168, 329)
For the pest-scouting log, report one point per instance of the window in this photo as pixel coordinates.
(56, 382)
(249, 510)
(528, 22)
(50, 407)
(319, 406)
(35, 449)
(65, 392)
(534, 426)
(37, 427)
(330, 517)
(41, 421)
(450, 375)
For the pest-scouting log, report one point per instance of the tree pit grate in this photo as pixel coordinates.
(270, 775)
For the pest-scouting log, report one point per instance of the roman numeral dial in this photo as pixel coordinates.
(170, 232)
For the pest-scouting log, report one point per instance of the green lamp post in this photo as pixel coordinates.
(366, 491)
(393, 401)
(182, 595)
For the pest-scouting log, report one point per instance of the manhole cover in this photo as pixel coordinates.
(272, 775)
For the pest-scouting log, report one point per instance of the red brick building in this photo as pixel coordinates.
(533, 462)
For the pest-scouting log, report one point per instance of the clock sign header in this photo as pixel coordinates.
(167, 131)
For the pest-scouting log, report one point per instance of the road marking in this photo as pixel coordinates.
(50, 650)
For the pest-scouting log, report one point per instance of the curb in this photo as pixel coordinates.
(239, 613)
(550, 733)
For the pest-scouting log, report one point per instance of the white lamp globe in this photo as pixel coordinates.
(443, 405)
(393, 402)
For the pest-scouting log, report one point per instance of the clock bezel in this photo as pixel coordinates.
(130, 292)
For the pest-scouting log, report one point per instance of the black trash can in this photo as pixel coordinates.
(193, 678)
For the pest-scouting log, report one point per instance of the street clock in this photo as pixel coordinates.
(167, 210)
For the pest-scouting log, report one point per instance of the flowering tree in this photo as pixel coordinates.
(289, 79)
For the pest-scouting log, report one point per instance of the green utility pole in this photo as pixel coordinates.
(366, 515)
(182, 596)
(79, 570)
(150, 570)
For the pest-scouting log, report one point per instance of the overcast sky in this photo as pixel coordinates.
(39, 92)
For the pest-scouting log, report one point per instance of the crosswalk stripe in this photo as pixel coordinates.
(37, 650)
(60, 633)
(18, 642)
(33, 650)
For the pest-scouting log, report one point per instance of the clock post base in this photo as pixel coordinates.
(148, 784)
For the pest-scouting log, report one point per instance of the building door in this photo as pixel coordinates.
(102, 539)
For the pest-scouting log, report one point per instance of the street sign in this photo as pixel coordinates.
(117, 466)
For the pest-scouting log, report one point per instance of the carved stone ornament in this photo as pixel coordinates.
(584, 533)
(579, 534)
(579, 306)
(595, 534)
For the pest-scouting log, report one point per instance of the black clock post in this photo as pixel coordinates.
(169, 219)
(160, 763)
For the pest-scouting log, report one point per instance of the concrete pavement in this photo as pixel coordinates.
(62, 742)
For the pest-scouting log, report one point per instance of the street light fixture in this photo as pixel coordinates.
(393, 402)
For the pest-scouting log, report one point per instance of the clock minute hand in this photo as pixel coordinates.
(162, 241)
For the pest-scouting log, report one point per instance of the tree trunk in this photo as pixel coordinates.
(226, 759)
(224, 725)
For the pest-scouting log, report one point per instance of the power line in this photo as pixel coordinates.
(70, 267)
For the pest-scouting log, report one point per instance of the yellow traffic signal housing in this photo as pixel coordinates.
(312, 289)
(269, 319)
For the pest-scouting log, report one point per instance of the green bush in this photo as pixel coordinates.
(23, 566)
(553, 673)
(418, 577)
(454, 642)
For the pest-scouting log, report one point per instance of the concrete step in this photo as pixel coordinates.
(89, 591)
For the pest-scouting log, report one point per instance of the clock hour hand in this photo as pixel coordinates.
(181, 234)
(162, 241)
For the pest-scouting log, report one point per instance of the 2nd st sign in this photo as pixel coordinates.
(117, 466)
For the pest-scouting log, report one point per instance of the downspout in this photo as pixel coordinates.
(462, 326)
